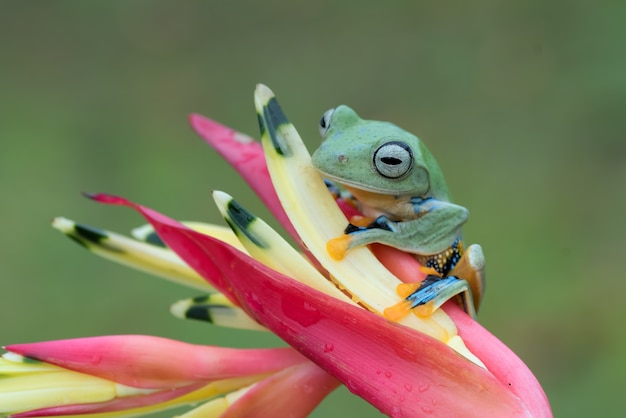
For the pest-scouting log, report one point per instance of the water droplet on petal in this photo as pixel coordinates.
(95, 359)
(349, 320)
(254, 302)
(427, 410)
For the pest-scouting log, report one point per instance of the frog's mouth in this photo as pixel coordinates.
(354, 185)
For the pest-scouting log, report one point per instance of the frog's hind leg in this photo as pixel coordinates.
(471, 267)
(434, 291)
(465, 283)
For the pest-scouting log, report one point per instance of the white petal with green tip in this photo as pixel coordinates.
(146, 232)
(216, 309)
(149, 258)
(26, 384)
(268, 247)
(216, 407)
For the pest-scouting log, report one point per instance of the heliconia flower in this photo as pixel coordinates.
(332, 313)
(113, 373)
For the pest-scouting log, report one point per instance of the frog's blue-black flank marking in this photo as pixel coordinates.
(242, 219)
(444, 262)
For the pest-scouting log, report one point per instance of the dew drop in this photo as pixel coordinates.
(328, 347)
(388, 375)
(349, 320)
(350, 385)
(408, 387)
(427, 410)
(95, 359)
(254, 302)
(304, 313)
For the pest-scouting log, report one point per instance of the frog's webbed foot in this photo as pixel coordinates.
(339, 246)
(465, 283)
(426, 297)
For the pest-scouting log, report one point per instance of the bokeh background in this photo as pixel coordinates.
(522, 102)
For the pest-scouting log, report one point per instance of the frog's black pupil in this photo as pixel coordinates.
(323, 122)
(391, 160)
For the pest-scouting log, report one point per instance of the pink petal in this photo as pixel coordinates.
(293, 392)
(398, 370)
(183, 238)
(499, 359)
(153, 362)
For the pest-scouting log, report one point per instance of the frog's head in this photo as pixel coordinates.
(375, 156)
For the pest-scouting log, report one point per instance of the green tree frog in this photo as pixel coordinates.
(401, 191)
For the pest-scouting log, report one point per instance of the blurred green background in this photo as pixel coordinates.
(522, 102)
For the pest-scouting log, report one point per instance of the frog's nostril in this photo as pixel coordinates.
(342, 158)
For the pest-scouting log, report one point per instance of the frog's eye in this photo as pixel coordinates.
(393, 159)
(325, 121)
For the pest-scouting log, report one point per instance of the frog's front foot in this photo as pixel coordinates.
(361, 226)
(338, 247)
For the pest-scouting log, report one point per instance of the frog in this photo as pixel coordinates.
(399, 187)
